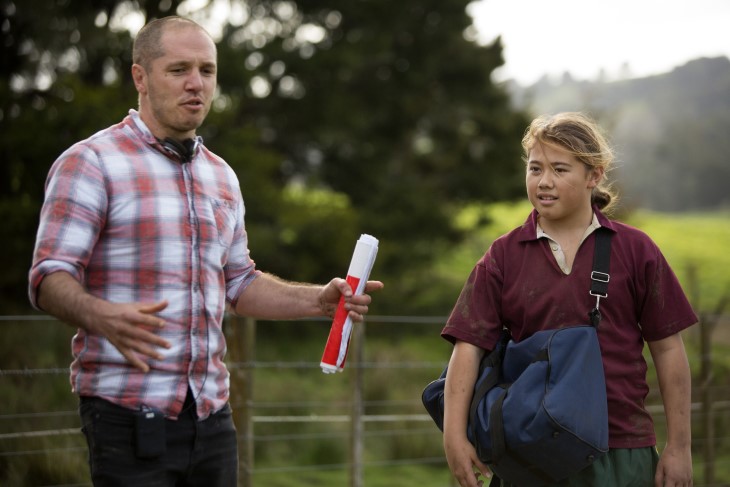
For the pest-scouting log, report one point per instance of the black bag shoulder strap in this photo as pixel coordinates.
(600, 274)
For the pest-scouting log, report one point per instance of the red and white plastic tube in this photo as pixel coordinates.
(338, 342)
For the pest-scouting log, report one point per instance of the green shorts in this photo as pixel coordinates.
(620, 467)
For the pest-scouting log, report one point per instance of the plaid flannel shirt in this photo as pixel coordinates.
(133, 222)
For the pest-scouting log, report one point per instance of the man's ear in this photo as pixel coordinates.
(139, 75)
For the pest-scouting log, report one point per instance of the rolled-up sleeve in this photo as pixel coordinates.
(240, 271)
(71, 218)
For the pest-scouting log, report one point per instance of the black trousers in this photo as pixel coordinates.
(193, 453)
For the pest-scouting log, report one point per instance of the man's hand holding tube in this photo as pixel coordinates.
(356, 305)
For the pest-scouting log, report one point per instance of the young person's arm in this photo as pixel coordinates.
(675, 385)
(460, 378)
(269, 297)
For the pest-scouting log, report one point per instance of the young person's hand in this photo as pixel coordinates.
(674, 468)
(464, 462)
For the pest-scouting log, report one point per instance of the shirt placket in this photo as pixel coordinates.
(198, 338)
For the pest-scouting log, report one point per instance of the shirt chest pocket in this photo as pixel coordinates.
(224, 221)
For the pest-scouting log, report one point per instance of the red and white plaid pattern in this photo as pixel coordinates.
(134, 224)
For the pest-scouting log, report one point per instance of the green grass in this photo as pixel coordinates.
(373, 476)
(696, 246)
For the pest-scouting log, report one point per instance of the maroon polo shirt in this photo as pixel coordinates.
(519, 284)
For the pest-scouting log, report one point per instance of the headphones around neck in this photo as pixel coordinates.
(185, 150)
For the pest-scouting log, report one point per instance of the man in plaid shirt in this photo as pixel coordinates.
(141, 244)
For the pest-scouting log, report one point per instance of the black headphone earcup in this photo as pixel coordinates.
(185, 150)
(175, 147)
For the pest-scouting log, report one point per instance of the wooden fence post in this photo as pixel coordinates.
(708, 418)
(707, 323)
(357, 408)
(241, 344)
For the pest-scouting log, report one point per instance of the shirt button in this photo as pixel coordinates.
(554, 247)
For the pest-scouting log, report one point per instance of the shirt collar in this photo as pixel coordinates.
(594, 225)
(529, 230)
(136, 123)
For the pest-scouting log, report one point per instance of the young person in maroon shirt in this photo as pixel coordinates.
(537, 277)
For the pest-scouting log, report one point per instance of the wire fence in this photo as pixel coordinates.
(303, 434)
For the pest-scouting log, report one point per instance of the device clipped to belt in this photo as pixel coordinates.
(150, 438)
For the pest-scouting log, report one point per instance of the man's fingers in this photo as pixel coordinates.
(342, 286)
(134, 360)
(148, 351)
(150, 308)
(144, 315)
(132, 347)
(373, 286)
(346, 291)
(142, 336)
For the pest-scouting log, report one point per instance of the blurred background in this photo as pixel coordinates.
(398, 119)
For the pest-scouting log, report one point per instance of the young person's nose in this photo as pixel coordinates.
(546, 180)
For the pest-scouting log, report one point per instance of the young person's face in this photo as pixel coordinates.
(177, 91)
(559, 186)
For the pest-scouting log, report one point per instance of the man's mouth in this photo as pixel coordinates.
(194, 103)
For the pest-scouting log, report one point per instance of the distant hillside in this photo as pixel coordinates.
(671, 131)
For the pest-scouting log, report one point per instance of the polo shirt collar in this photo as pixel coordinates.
(528, 230)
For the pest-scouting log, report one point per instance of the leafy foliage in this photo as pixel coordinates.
(391, 106)
(384, 110)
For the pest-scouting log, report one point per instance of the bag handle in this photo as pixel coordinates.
(493, 360)
(600, 275)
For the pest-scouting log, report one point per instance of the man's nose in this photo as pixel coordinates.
(194, 81)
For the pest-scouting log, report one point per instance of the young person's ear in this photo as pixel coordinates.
(595, 176)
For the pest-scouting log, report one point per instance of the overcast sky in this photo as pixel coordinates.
(585, 36)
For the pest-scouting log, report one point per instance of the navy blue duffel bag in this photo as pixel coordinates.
(539, 412)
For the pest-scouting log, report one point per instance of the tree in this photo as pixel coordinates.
(387, 102)
(340, 118)
(60, 82)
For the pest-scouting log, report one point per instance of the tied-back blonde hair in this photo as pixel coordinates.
(580, 136)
